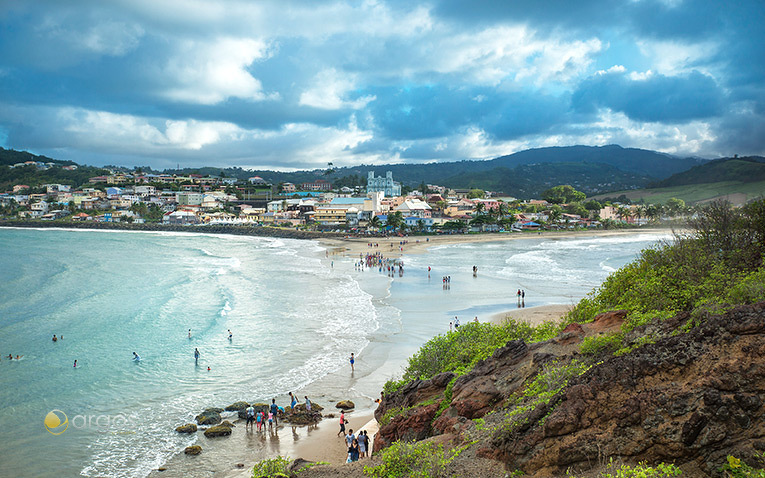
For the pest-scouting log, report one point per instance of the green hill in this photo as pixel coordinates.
(737, 192)
(528, 181)
(746, 170)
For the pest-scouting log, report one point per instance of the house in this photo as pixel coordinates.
(113, 191)
(530, 226)
(414, 208)
(318, 185)
(39, 208)
(257, 181)
(329, 215)
(182, 217)
(189, 198)
(20, 187)
(288, 188)
(416, 222)
(97, 179)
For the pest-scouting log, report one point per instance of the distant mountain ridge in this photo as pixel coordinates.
(592, 169)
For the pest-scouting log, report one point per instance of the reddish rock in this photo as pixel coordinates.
(413, 425)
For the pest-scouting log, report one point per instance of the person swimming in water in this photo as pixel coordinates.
(54, 338)
(189, 333)
(136, 357)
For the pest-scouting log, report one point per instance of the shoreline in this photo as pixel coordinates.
(347, 246)
(226, 452)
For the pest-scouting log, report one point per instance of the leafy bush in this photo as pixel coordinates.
(719, 262)
(272, 468)
(601, 344)
(414, 459)
(641, 470)
(460, 350)
(737, 468)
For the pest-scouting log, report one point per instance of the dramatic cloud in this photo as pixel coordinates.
(298, 84)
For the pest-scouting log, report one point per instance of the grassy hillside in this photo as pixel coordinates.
(736, 192)
(747, 170)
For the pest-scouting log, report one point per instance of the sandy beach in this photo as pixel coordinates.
(532, 315)
(391, 247)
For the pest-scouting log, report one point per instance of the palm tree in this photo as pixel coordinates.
(554, 214)
(395, 220)
(374, 222)
(479, 208)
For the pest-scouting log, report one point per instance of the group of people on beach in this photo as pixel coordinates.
(521, 295)
(380, 262)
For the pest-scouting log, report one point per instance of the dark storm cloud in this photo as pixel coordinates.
(656, 98)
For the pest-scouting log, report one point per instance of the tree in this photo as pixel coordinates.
(374, 222)
(675, 206)
(476, 194)
(593, 205)
(563, 194)
(395, 220)
(555, 213)
(480, 208)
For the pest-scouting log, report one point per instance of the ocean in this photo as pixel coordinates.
(294, 315)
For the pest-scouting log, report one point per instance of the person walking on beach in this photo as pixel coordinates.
(352, 362)
(349, 438)
(456, 323)
(307, 404)
(342, 423)
(274, 412)
(450, 326)
(293, 402)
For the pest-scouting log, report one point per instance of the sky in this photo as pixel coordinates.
(298, 84)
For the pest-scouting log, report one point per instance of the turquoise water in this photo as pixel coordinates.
(294, 317)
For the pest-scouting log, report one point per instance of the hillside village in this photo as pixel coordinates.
(138, 197)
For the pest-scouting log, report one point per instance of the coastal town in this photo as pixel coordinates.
(383, 205)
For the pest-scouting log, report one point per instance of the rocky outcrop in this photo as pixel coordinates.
(218, 431)
(688, 398)
(209, 416)
(691, 399)
(237, 406)
(345, 405)
(187, 428)
(193, 450)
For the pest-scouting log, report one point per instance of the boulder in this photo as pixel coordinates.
(300, 407)
(236, 406)
(226, 423)
(218, 431)
(302, 417)
(210, 416)
(193, 450)
(345, 405)
(259, 407)
(187, 428)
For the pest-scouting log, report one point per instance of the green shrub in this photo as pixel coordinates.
(737, 468)
(272, 468)
(601, 344)
(413, 460)
(641, 470)
(460, 350)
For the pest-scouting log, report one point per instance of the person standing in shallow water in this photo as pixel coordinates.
(196, 355)
(353, 360)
